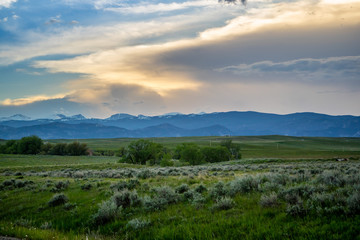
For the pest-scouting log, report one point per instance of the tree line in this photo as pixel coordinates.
(147, 152)
(140, 151)
(35, 145)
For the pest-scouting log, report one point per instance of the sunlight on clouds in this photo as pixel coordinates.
(294, 14)
(31, 99)
(339, 1)
(124, 66)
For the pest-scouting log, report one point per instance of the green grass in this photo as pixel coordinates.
(253, 146)
(25, 213)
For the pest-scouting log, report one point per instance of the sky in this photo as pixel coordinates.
(101, 57)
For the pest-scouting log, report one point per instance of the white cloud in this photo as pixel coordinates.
(54, 20)
(160, 7)
(6, 3)
(335, 65)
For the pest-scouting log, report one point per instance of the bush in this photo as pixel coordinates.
(296, 209)
(353, 203)
(166, 194)
(126, 199)
(107, 212)
(153, 204)
(182, 188)
(86, 186)
(200, 188)
(121, 185)
(244, 185)
(218, 190)
(197, 200)
(137, 223)
(269, 200)
(59, 186)
(332, 178)
(58, 199)
(224, 203)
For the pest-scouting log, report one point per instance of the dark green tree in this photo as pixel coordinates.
(46, 148)
(234, 148)
(142, 151)
(216, 154)
(189, 152)
(59, 149)
(29, 145)
(76, 149)
(11, 147)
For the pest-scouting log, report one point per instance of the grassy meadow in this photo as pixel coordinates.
(282, 188)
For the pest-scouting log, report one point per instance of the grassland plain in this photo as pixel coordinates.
(283, 188)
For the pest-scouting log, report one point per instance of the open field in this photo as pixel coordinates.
(253, 146)
(283, 188)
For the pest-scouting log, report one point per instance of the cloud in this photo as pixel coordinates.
(144, 8)
(234, 1)
(100, 37)
(334, 65)
(100, 101)
(54, 20)
(28, 100)
(22, 70)
(6, 3)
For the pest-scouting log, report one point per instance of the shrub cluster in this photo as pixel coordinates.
(58, 199)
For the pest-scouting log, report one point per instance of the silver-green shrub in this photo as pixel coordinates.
(107, 212)
(137, 223)
(223, 203)
(269, 200)
(58, 199)
(126, 199)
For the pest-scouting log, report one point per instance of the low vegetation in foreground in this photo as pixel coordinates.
(101, 198)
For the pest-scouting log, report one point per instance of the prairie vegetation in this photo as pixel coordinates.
(96, 197)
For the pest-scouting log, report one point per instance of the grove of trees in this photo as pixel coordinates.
(35, 145)
(140, 151)
(147, 152)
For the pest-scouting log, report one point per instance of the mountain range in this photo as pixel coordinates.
(178, 125)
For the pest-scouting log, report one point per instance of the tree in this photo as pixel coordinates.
(59, 149)
(234, 148)
(11, 147)
(189, 152)
(142, 151)
(29, 145)
(46, 148)
(76, 149)
(216, 154)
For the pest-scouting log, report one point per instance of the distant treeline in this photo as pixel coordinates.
(138, 152)
(35, 145)
(150, 153)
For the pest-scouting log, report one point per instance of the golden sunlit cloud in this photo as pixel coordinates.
(28, 100)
